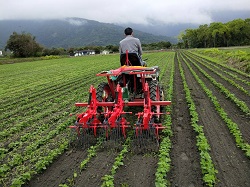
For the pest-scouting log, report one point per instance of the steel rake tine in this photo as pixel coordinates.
(141, 138)
(73, 137)
(84, 138)
(134, 138)
(116, 133)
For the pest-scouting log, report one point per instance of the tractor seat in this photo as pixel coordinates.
(133, 58)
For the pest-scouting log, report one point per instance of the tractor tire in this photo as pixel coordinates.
(156, 94)
(103, 94)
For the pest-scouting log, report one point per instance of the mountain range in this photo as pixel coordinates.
(73, 32)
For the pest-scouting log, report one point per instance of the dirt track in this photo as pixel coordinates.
(139, 169)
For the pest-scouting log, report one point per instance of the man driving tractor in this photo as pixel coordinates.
(131, 44)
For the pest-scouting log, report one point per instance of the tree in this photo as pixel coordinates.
(181, 38)
(23, 45)
(203, 35)
(112, 48)
(217, 34)
(239, 30)
(191, 38)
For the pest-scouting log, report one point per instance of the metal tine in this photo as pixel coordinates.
(142, 139)
(84, 138)
(153, 140)
(146, 136)
(88, 135)
(118, 140)
(112, 137)
(115, 135)
(73, 138)
(145, 140)
(106, 129)
(103, 131)
(116, 130)
(140, 135)
(135, 144)
(80, 138)
(136, 139)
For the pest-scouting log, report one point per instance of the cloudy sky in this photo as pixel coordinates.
(128, 11)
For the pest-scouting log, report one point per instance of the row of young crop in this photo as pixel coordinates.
(232, 126)
(231, 72)
(61, 76)
(31, 130)
(164, 150)
(165, 61)
(164, 162)
(36, 155)
(34, 111)
(241, 104)
(223, 77)
(28, 148)
(38, 102)
(222, 63)
(92, 152)
(35, 75)
(207, 166)
(40, 123)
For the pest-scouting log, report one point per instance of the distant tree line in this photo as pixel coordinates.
(24, 45)
(217, 34)
(157, 46)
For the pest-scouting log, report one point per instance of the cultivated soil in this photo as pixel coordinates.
(140, 166)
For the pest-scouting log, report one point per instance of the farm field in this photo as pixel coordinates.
(206, 142)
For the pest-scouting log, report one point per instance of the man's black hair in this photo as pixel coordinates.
(128, 31)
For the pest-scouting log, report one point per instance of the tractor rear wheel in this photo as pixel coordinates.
(156, 94)
(103, 94)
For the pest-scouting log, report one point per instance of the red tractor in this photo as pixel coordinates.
(131, 85)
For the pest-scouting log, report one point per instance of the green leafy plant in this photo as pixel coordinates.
(207, 166)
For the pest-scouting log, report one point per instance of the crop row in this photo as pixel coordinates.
(39, 146)
(225, 69)
(232, 126)
(41, 105)
(108, 179)
(207, 166)
(221, 64)
(241, 104)
(164, 150)
(165, 145)
(38, 122)
(229, 80)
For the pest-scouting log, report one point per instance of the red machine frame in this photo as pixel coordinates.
(114, 114)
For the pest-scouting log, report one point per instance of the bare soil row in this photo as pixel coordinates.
(139, 168)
